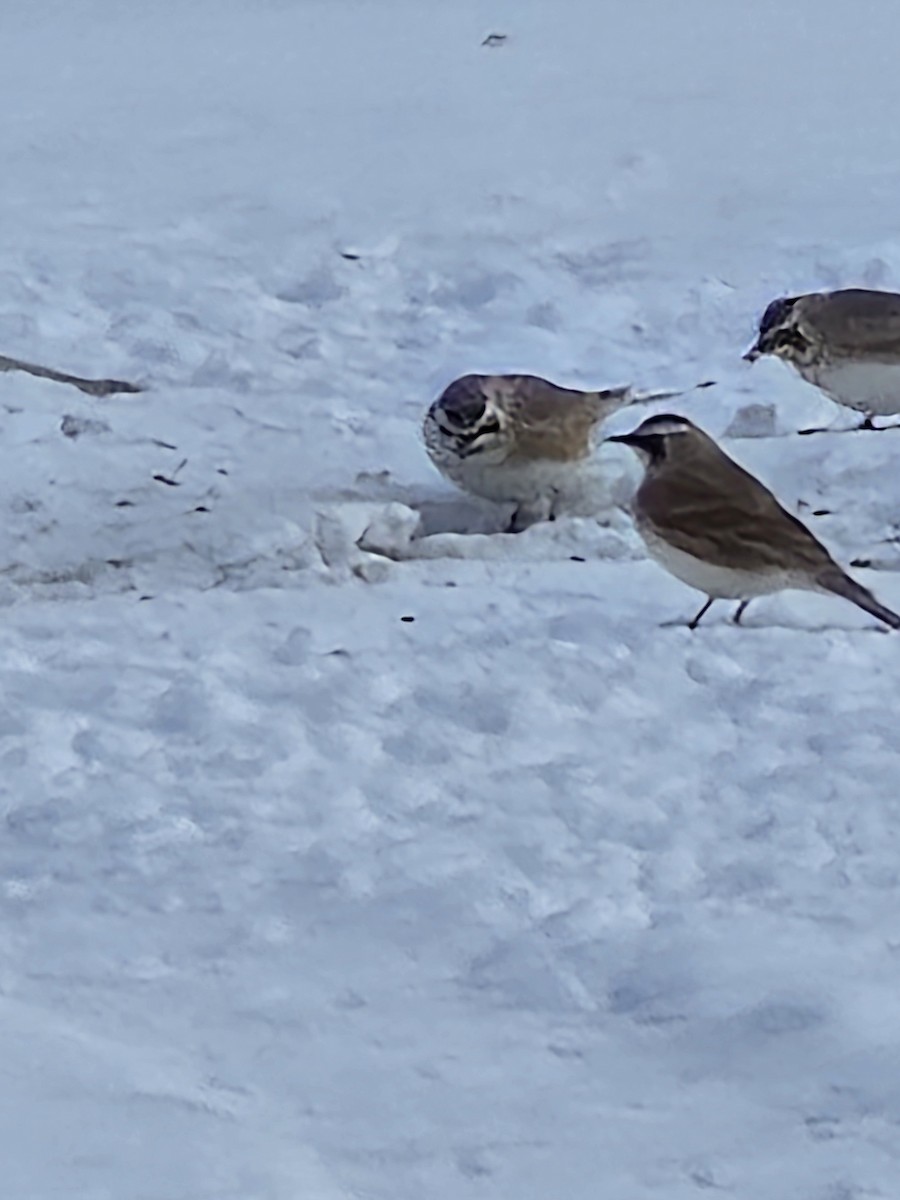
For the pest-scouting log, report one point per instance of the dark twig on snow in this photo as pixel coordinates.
(93, 387)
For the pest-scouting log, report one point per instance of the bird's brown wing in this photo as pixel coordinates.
(856, 321)
(728, 518)
(554, 422)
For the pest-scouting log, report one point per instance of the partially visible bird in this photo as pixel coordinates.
(522, 440)
(846, 343)
(715, 527)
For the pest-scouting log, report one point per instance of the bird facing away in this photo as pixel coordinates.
(715, 527)
(846, 343)
(523, 440)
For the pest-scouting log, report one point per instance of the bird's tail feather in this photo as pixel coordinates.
(834, 580)
(652, 397)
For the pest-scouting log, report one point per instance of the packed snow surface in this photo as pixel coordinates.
(352, 847)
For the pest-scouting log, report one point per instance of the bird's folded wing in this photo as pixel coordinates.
(861, 325)
(740, 526)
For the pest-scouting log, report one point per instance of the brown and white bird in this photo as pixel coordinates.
(715, 527)
(846, 343)
(522, 440)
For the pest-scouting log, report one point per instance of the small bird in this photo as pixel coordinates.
(715, 527)
(846, 343)
(523, 440)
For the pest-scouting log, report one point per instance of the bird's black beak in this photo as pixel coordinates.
(628, 439)
(756, 351)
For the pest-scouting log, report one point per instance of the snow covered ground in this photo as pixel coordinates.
(341, 861)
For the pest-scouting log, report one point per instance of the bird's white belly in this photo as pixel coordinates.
(868, 387)
(579, 487)
(722, 583)
(519, 482)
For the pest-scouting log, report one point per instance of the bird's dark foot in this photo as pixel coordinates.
(700, 615)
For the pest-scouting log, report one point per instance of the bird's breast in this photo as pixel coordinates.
(868, 386)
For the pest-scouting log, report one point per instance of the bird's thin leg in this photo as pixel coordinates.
(516, 523)
(739, 611)
(531, 512)
(699, 617)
